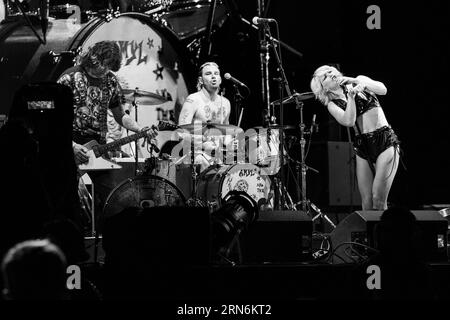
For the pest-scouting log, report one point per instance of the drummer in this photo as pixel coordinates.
(207, 105)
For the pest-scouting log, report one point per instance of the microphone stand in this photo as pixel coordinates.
(237, 103)
(264, 62)
(283, 82)
(135, 104)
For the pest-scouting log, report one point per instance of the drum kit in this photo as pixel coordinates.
(252, 168)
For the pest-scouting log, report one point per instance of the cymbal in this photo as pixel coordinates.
(296, 96)
(277, 126)
(206, 126)
(143, 97)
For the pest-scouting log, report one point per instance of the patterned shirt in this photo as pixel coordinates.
(92, 98)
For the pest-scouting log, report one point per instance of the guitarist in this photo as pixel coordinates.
(95, 90)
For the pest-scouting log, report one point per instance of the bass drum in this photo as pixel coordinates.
(142, 192)
(217, 181)
(189, 18)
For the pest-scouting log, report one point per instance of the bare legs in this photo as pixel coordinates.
(375, 190)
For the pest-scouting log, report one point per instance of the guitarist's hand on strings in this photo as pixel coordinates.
(152, 132)
(80, 153)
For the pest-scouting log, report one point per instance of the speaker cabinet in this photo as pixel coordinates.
(335, 184)
(278, 236)
(359, 227)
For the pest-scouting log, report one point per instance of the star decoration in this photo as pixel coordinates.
(150, 43)
(158, 71)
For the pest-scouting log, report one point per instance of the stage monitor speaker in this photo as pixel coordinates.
(278, 236)
(335, 184)
(359, 227)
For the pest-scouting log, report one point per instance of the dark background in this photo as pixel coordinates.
(409, 54)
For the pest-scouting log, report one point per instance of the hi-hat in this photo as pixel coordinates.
(207, 127)
(143, 97)
(296, 96)
(277, 126)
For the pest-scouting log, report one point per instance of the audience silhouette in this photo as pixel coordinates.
(34, 270)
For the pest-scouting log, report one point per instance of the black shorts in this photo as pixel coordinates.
(370, 145)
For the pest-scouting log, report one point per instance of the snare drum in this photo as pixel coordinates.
(217, 181)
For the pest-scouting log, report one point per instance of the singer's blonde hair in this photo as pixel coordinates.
(320, 92)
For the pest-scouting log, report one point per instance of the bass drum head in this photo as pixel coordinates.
(153, 60)
(248, 178)
(217, 181)
(142, 192)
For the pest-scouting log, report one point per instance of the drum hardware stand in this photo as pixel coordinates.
(237, 103)
(193, 201)
(206, 48)
(135, 105)
(282, 80)
(306, 205)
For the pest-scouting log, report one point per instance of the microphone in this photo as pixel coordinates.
(43, 8)
(234, 80)
(258, 20)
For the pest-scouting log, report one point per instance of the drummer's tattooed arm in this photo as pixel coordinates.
(187, 112)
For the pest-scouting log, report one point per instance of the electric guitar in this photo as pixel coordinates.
(96, 151)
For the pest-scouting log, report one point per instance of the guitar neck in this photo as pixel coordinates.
(102, 149)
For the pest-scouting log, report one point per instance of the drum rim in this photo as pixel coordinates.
(187, 65)
(189, 4)
(183, 198)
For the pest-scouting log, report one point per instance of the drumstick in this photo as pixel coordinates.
(240, 117)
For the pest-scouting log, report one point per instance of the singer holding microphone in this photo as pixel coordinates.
(353, 103)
